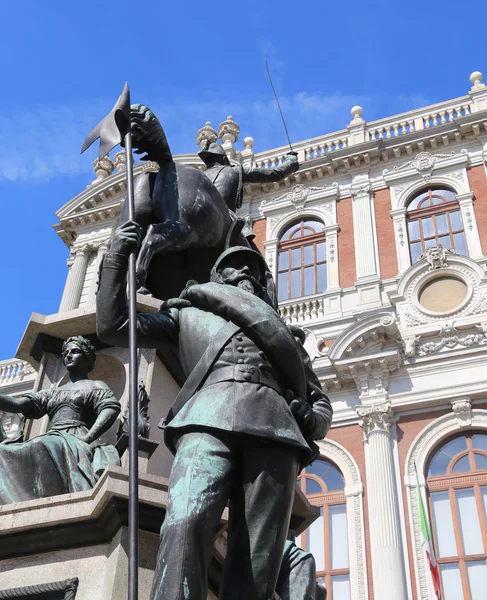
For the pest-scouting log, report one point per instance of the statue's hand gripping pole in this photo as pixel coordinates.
(114, 129)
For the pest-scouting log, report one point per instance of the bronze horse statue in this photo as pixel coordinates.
(181, 213)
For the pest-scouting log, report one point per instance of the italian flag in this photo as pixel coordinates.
(427, 543)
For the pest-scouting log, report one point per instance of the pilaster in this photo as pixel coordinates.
(388, 567)
(331, 236)
(365, 238)
(470, 225)
(402, 238)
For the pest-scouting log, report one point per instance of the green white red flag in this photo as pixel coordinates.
(427, 542)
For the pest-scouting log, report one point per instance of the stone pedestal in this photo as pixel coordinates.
(388, 565)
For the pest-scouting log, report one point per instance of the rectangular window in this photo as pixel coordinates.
(340, 587)
(321, 251)
(338, 537)
(316, 544)
(460, 245)
(282, 286)
(483, 491)
(308, 255)
(469, 522)
(413, 228)
(451, 582)
(416, 251)
(322, 281)
(295, 257)
(445, 534)
(477, 579)
(456, 220)
(441, 224)
(295, 284)
(428, 229)
(309, 281)
(283, 260)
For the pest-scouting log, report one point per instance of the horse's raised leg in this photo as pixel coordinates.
(174, 235)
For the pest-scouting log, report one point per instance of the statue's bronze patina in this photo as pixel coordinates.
(67, 458)
(183, 211)
(241, 426)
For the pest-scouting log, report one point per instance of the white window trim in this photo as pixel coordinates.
(355, 515)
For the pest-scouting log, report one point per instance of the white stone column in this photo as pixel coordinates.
(102, 248)
(74, 284)
(364, 232)
(470, 225)
(388, 567)
(402, 238)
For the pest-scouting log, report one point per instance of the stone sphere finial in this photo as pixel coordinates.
(476, 78)
(249, 142)
(206, 133)
(357, 112)
(229, 130)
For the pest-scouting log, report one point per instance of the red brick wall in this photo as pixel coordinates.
(385, 234)
(351, 438)
(346, 246)
(258, 228)
(478, 185)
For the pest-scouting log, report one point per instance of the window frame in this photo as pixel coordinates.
(450, 482)
(324, 500)
(416, 215)
(294, 243)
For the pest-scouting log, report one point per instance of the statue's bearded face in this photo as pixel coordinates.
(242, 274)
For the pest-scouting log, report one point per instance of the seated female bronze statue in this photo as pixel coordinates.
(66, 458)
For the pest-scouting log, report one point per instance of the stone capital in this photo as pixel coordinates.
(360, 192)
(376, 418)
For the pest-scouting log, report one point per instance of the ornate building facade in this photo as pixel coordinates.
(378, 245)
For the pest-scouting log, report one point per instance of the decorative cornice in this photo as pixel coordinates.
(424, 165)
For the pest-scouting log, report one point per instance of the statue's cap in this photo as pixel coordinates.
(213, 152)
(247, 253)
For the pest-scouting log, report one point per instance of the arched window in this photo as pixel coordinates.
(327, 537)
(434, 218)
(302, 260)
(457, 486)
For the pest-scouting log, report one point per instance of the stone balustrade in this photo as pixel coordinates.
(302, 310)
(417, 120)
(357, 132)
(14, 371)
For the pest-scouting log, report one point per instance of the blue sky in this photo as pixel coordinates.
(63, 64)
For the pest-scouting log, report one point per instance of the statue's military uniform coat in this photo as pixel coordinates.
(235, 438)
(229, 179)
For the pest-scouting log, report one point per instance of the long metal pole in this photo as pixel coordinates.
(278, 106)
(133, 515)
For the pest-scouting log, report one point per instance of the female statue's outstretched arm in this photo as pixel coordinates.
(16, 405)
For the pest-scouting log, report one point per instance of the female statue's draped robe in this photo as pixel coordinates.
(58, 462)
